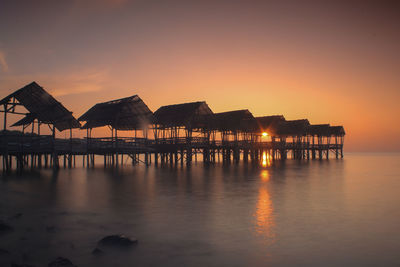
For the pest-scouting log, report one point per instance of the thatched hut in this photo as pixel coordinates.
(236, 124)
(338, 133)
(318, 130)
(129, 113)
(43, 108)
(181, 120)
(270, 124)
(295, 129)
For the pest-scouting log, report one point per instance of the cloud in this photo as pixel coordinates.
(84, 81)
(61, 84)
(3, 62)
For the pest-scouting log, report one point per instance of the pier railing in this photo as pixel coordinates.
(46, 144)
(36, 147)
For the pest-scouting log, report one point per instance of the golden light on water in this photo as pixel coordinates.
(264, 215)
(265, 175)
(266, 159)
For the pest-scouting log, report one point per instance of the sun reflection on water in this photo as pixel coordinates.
(264, 175)
(266, 159)
(264, 221)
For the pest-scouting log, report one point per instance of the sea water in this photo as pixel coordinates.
(337, 212)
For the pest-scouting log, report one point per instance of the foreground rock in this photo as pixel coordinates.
(5, 227)
(97, 251)
(117, 241)
(61, 262)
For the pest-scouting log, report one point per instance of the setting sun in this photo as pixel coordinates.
(264, 134)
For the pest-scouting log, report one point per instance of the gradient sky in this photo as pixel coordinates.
(334, 62)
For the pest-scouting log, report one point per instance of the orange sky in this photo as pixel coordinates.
(334, 63)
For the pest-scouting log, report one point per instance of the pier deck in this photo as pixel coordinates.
(35, 151)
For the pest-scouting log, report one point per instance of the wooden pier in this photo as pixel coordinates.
(172, 135)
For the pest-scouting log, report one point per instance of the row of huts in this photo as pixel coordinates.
(181, 127)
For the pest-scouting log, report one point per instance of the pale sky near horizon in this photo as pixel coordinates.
(332, 62)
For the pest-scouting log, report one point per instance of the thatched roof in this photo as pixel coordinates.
(319, 129)
(43, 107)
(337, 130)
(234, 121)
(293, 127)
(191, 115)
(269, 124)
(122, 114)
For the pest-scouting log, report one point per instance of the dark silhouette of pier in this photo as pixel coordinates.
(173, 134)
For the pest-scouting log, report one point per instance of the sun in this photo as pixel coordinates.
(264, 134)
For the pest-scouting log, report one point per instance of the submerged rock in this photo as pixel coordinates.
(61, 262)
(117, 241)
(5, 227)
(97, 251)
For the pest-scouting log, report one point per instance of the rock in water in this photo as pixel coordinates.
(117, 241)
(97, 251)
(61, 262)
(5, 227)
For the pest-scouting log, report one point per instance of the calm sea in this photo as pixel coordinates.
(309, 213)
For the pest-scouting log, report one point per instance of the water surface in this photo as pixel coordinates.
(293, 213)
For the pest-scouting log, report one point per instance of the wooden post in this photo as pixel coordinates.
(116, 148)
(182, 156)
(5, 117)
(46, 160)
(87, 148)
(55, 156)
(70, 149)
